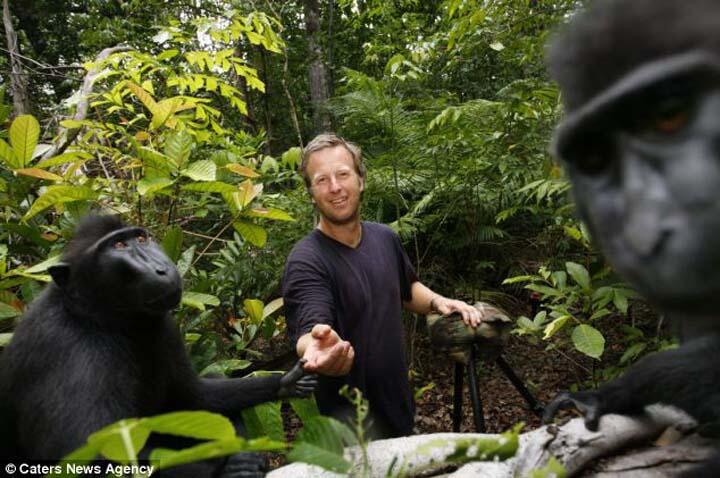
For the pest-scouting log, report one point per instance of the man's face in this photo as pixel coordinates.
(335, 186)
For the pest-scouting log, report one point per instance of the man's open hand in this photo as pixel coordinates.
(326, 353)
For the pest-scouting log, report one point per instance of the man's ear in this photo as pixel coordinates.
(362, 184)
(60, 273)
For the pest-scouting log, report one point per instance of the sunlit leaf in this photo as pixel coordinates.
(198, 300)
(38, 173)
(8, 155)
(24, 134)
(59, 195)
(247, 192)
(270, 213)
(242, 170)
(204, 170)
(272, 306)
(579, 274)
(149, 186)
(252, 233)
(194, 424)
(588, 340)
(211, 187)
(553, 327)
(178, 147)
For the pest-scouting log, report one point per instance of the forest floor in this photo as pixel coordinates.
(544, 373)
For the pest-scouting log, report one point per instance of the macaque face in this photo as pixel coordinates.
(646, 180)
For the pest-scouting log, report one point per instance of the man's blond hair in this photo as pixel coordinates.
(330, 140)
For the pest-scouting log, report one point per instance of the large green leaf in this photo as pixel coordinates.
(198, 300)
(214, 449)
(67, 157)
(204, 170)
(315, 455)
(211, 187)
(588, 340)
(8, 311)
(321, 442)
(579, 274)
(156, 164)
(121, 441)
(38, 173)
(270, 213)
(197, 424)
(272, 306)
(306, 408)
(8, 155)
(264, 419)
(58, 195)
(225, 367)
(556, 325)
(254, 310)
(252, 233)
(149, 186)
(178, 147)
(172, 242)
(24, 134)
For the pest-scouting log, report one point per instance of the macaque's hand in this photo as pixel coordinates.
(296, 383)
(587, 403)
(327, 353)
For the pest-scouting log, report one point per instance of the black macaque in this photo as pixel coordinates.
(641, 141)
(100, 345)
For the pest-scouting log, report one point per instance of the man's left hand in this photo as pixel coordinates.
(471, 316)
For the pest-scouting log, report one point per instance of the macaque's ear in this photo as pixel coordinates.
(60, 273)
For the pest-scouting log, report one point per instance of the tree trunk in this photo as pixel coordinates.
(318, 73)
(18, 77)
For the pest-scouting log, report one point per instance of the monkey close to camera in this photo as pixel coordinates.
(641, 142)
(100, 345)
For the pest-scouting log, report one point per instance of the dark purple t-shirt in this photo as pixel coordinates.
(359, 293)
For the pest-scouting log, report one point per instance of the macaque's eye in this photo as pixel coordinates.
(592, 154)
(672, 115)
(120, 245)
(141, 239)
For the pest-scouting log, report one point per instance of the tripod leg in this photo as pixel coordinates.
(458, 396)
(536, 407)
(475, 394)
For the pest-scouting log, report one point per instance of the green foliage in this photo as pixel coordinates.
(122, 441)
(574, 302)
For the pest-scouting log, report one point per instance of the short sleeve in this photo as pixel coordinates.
(407, 272)
(307, 294)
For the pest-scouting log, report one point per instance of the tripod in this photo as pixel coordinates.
(535, 406)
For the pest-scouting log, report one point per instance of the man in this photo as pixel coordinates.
(344, 287)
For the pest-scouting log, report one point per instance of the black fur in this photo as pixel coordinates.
(620, 35)
(74, 366)
(641, 85)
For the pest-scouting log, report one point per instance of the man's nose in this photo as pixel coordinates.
(334, 184)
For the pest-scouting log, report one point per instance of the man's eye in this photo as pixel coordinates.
(321, 181)
(120, 245)
(343, 175)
